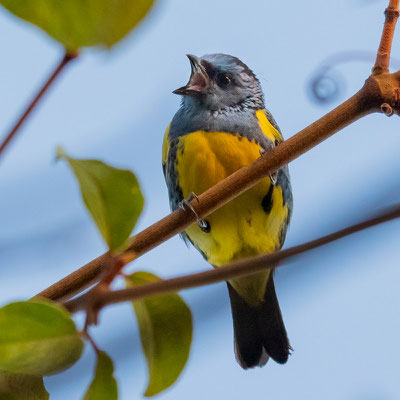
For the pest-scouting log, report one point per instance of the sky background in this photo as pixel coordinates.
(340, 303)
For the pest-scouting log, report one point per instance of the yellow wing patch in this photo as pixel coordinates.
(267, 128)
(165, 146)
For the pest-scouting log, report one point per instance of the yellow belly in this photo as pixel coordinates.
(241, 228)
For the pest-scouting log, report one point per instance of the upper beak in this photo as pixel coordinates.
(199, 80)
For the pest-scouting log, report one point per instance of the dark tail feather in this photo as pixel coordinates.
(248, 341)
(259, 331)
(273, 332)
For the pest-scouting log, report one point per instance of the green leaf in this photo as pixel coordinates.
(165, 324)
(82, 23)
(104, 385)
(37, 338)
(22, 387)
(112, 196)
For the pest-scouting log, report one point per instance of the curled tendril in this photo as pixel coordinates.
(325, 85)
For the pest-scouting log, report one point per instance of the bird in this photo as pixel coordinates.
(221, 126)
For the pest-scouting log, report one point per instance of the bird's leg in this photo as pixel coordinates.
(185, 204)
(272, 175)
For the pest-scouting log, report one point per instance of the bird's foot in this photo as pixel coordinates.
(185, 204)
(263, 152)
(272, 175)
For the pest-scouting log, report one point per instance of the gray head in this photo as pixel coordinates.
(221, 82)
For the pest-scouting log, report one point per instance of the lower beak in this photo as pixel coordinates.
(198, 83)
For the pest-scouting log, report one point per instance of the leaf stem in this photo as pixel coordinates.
(68, 56)
(89, 338)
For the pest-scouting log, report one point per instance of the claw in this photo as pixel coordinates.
(274, 177)
(185, 204)
(193, 196)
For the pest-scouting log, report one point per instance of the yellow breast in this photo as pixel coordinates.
(242, 227)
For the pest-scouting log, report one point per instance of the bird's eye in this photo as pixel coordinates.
(223, 80)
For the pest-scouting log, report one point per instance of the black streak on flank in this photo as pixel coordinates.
(267, 200)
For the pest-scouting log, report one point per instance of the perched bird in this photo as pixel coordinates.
(221, 126)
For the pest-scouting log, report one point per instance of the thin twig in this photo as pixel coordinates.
(385, 47)
(68, 56)
(242, 267)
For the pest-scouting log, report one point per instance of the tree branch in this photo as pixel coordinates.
(62, 64)
(381, 92)
(385, 47)
(242, 267)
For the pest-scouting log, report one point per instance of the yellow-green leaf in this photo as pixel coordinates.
(82, 23)
(165, 324)
(112, 196)
(104, 385)
(37, 338)
(22, 387)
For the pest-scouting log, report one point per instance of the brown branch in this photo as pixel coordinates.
(242, 267)
(385, 47)
(61, 65)
(379, 91)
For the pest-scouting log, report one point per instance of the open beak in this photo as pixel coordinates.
(199, 81)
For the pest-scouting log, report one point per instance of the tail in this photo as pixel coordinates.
(259, 331)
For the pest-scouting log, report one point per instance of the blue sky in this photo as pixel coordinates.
(340, 303)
